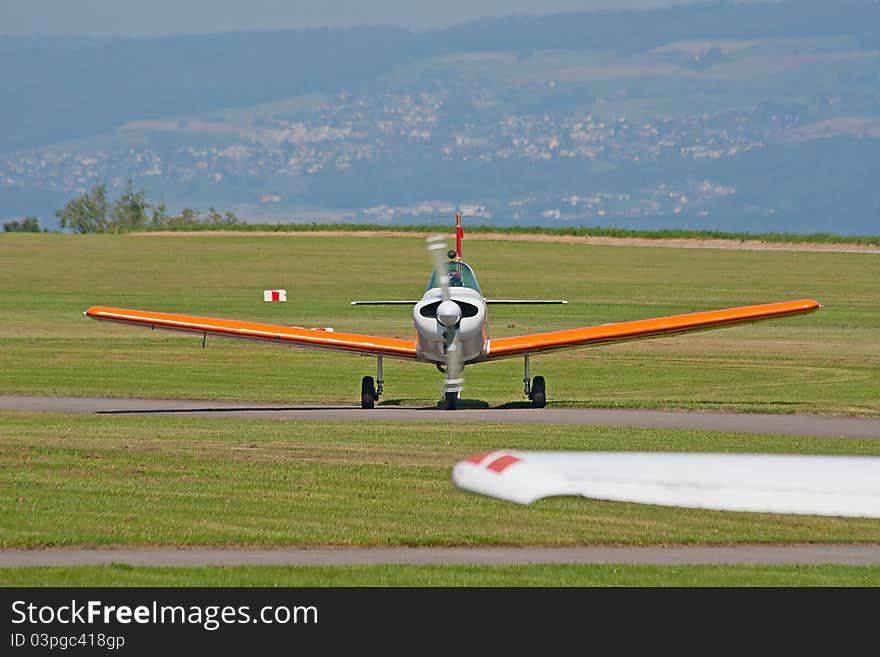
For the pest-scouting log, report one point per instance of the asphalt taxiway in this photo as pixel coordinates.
(800, 425)
(814, 554)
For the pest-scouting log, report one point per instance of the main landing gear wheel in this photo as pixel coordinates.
(368, 392)
(450, 401)
(538, 393)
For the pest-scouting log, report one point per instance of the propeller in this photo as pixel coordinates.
(448, 317)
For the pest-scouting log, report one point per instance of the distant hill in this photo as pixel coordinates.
(642, 29)
(56, 89)
(724, 116)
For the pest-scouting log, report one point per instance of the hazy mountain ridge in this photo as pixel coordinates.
(743, 120)
(58, 89)
(632, 30)
(58, 95)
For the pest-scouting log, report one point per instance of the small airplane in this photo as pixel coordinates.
(451, 328)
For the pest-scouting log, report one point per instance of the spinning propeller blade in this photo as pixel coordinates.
(437, 250)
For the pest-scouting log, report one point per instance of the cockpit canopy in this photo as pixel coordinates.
(460, 275)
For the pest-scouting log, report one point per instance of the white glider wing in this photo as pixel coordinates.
(769, 483)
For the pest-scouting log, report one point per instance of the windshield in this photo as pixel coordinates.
(460, 275)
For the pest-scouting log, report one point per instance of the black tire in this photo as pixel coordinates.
(451, 401)
(368, 392)
(539, 392)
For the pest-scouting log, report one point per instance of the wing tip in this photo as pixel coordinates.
(95, 312)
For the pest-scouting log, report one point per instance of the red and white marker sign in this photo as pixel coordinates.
(274, 295)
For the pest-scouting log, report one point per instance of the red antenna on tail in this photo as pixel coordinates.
(459, 233)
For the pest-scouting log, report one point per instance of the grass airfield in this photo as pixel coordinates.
(138, 480)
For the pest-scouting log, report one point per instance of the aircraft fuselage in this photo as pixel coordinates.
(472, 331)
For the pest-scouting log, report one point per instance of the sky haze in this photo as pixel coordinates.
(161, 17)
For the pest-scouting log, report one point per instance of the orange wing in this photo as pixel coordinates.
(645, 328)
(369, 345)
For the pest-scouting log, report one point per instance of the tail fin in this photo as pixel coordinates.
(459, 233)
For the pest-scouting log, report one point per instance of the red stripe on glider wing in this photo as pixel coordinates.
(500, 464)
(646, 328)
(477, 458)
(286, 335)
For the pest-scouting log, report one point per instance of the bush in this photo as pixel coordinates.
(26, 225)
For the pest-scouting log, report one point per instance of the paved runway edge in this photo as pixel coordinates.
(813, 554)
(801, 425)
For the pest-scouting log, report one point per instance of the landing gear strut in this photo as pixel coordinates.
(371, 392)
(537, 392)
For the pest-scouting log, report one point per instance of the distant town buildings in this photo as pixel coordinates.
(271, 160)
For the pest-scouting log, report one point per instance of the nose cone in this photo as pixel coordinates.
(448, 313)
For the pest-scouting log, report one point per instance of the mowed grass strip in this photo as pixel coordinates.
(555, 575)
(662, 375)
(77, 480)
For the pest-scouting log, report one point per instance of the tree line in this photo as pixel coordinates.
(93, 212)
